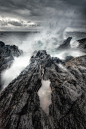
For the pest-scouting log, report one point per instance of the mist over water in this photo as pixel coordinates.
(17, 66)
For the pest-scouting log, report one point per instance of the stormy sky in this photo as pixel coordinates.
(33, 14)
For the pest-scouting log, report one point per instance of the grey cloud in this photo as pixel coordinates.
(36, 7)
(40, 10)
(75, 2)
(15, 23)
(12, 22)
(32, 4)
(3, 23)
(23, 24)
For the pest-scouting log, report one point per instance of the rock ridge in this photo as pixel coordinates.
(20, 104)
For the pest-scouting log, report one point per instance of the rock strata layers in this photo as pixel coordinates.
(20, 104)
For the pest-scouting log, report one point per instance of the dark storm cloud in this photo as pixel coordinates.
(79, 4)
(36, 5)
(40, 10)
(76, 2)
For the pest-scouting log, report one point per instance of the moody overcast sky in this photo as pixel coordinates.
(21, 15)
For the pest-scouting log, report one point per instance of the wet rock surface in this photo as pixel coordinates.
(20, 104)
(82, 44)
(65, 45)
(7, 54)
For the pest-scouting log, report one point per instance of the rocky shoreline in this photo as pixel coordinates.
(20, 103)
(7, 54)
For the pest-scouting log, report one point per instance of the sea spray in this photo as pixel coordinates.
(17, 66)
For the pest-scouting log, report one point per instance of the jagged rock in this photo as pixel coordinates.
(7, 54)
(7, 50)
(78, 61)
(20, 104)
(82, 44)
(68, 58)
(65, 45)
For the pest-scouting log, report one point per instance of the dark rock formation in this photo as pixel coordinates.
(78, 61)
(65, 45)
(7, 54)
(20, 104)
(68, 58)
(82, 44)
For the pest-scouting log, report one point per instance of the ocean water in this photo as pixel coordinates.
(11, 38)
(76, 35)
(31, 41)
(38, 39)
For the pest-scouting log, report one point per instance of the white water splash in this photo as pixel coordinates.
(11, 73)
